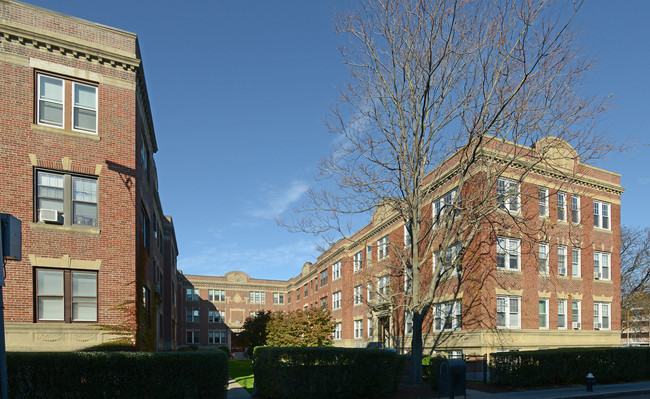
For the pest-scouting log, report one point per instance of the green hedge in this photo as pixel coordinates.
(434, 371)
(326, 372)
(122, 375)
(569, 366)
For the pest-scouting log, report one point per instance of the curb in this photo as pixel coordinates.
(607, 394)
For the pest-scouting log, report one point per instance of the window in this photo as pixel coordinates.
(601, 316)
(66, 295)
(407, 238)
(306, 289)
(561, 207)
(323, 277)
(575, 315)
(278, 298)
(368, 253)
(543, 313)
(370, 327)
(256, 297)
(383, 285)
(288, 297)
(508, 253)
(336, 300)
(144, 226)
(53, 93)
(358, 329)
(337, 331)
(508, 194)
(191, 294)
(561, 260)
(358, 261)
(601, 215)
(575, 209)
(66, 199)
(543, 202)
(382, 248)
(216, 337)
(336, 271)
(561, 314)
(408, 323)
(447, 316)
(216, 316)
(450, 262)
(192, 337)
(601, 266)
(358, 296)
(443, 205)
(217, 295)
(543, 258)
(298, 294)
(575, 262)
(323, 303)
(192, 315)
(369, 289)
(251, 315)
(508, 315)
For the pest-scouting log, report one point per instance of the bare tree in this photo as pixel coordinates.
(451, 91)
(635, 278)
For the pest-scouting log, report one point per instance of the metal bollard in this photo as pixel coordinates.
(591, 380)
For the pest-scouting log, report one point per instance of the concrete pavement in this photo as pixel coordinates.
(236, 391)
(600, 391)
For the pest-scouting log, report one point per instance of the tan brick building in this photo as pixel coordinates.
(77, 144)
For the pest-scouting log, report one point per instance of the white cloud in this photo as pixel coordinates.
(273, 202)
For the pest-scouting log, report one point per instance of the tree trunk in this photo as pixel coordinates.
(416, 349)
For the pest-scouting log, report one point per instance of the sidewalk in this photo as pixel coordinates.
(236, 391)
(600, 391)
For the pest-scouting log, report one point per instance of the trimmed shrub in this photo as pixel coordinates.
(569, 366)
(434, 371)
(326, 372)
(123, 375)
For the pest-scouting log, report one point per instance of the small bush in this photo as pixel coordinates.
(120, 375)
(434, 371)
(326, 372)
(569, 366)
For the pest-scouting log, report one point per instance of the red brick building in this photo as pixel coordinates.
(77, 155)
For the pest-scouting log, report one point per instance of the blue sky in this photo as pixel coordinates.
(239, 89)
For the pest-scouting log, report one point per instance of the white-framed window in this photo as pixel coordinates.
(192, 316)
(575, 209)
(218, 316)
(369, 291)
(256, 297)
(336, 271)
(561, 260)
(561, 314)
(543, 202)
(66, 199)
(278, 298)
(508, 194)
(508, 253)
(323, 278)
(443, 205)
(575, 315)
(358, 262)
(601, 215)
(602, 315)
(370, 327)
(561, 206)
(575, 262)
(338, 328)
(383, 285)
(450, 262)
(408, 323)
(447, 316)
(52, 95)
(216, 337)
(323, 303)
(217, 295)
(251, 315)
(543, 258)
(602, 266)
(66, 295)
(408, 241)
(543, 313)
(382, 248)
(192, 337)
(358, 295)
(192, 294)
(336, 300)
(358, 329)
(408, 278)
(84, 107)
(508, 313)
(368, 253)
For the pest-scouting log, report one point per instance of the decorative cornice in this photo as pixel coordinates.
(46, 41)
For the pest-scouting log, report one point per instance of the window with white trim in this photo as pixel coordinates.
(408, 241)
(382, 248)
(543, 258)
(383, 285)
(358, 296)
(508, 253)
(192, 316)
(358, 262)
(67, 199)
(575, 262)
(278, 298)
(543, 313)
(218, 316)
(601, 266)
(323, 303)
(443, 205)
(601, 215)
(336, 300)
(601, 315)
(543, 202)
(216, 337)
(575, 315)
(561, 260)
(561, 314)
(575, 209)
(217, 295)
(408, 323)
(561, 206)
(368, 253)
(447, 316)
(192, 294)
(508, 313)
(338, 328)
(192, 337)
(450, 261)
(52, 95)
(370, 327)
(336, 271)
(508, 194)
(369, 291)
(256, 297)
(66, 295)
(323, 278)
(358, 329)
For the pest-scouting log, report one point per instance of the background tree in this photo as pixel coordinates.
(254, 329)
(635, 278)
(483, 82)
(311, 327)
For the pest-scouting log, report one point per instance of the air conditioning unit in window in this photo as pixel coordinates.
(576, 325)
(597, 275)
(597, 326)
(563, 271)
(49, 216)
